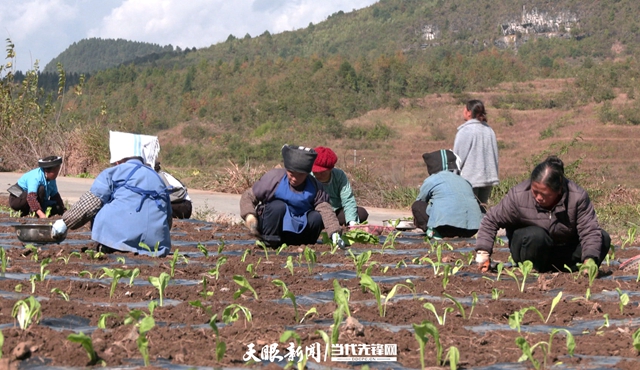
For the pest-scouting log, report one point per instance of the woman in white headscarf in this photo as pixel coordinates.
(127, 203)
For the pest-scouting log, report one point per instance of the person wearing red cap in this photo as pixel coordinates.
(337, 185)
(287, 206)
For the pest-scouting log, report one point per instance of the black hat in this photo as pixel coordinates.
(298, 158)
(50, 161)
(440, 160)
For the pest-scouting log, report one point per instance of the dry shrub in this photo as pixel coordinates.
(236, 179)
(85, 152)
(622, 195)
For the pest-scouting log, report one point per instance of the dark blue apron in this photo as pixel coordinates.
(152, 194)
(298, 204)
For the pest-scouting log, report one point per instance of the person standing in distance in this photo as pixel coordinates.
(476, 146)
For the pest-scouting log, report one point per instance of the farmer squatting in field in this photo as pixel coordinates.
(128, 204)
(287, 205)
(549, 220)
(336, 184)
(446, 206)
(37, 190)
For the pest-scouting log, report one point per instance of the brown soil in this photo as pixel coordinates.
(430, 123)
(182, 335)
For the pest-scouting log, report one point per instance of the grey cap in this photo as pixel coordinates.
(298, 158)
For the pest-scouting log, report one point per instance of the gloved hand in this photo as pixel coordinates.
(483, 260)
(352, 223)
(337, 240)
(252, 224)
(58, 229)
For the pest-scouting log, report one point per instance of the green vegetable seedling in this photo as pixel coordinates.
(160, 283)
(421, 332)
(26, 311)
(287, 294)
(244, 286)
(87, 344)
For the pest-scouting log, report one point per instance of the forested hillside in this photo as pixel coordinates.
(240, 100)
(94, 54)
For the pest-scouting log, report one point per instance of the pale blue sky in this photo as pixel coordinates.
(42, 29)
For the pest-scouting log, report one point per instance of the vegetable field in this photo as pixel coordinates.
(222, 301)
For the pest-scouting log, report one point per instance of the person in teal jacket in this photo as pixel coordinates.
(37, 191)
(336, 184)
(128, 204)
(446, 205)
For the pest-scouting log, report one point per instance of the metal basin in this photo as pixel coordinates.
(37, 233)
(399, 224)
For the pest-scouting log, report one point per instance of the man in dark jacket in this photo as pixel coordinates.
(287, 205)
(549, 220)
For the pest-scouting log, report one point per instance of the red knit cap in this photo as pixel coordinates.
(325, 160)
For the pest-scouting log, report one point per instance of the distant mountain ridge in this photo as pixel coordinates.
(96, 54)
(390, 26)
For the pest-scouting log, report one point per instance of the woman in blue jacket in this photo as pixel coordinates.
(37, 191)
(446, 206)
(128, 203)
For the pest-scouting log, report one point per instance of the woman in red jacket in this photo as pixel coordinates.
(549, 220)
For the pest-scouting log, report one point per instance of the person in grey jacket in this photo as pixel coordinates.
(446, 206)
(476, 146)
(549, 220)
(288, 206)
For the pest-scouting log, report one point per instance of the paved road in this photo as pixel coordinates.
(72, 188)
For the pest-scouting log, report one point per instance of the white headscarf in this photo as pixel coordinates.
(125, 145)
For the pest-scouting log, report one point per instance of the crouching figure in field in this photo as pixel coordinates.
(549, 220)
(288, 206)
(446, 206)
(128, 204)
